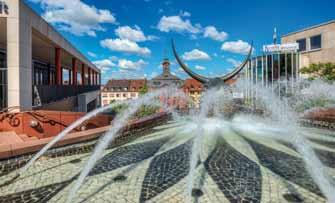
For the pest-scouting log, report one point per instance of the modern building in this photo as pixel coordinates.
(165, 79)
(39, 68)
(279, 68)
(193, 89)
(316, 43)
(268, 69)
(119, 90)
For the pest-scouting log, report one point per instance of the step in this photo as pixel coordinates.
(25, 137)
(9, 137)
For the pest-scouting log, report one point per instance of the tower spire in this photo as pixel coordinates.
(275, 35)
(166, 66)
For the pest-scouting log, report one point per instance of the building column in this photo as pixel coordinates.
(83, 74)
(74, 71)
(58, 62)
(19, 58)
(92, 77)
(89, 76)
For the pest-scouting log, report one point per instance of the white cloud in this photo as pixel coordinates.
(133, 34)
(177, 24)
(193, 37)
(91, 54)
(234, 62)
(113, 58)
(200, 67)
(153, 74)
(128, 65)
(239, 47)
(124, 74)
(75, 16)
(104, 65)
(125, 45)
(196, 54)
(180, 70)
(184, 13)
(212, 33)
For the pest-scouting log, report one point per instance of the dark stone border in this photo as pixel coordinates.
(317, 124)
(131, 132)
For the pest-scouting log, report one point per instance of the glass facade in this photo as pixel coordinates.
(3, 81)
(43, 73)
(277, 71)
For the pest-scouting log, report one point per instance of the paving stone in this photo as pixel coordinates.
(238, 177)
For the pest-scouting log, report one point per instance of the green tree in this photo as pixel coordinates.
(324, 71)
(146, 110)
(144, 89)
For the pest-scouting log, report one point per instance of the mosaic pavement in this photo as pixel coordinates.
(233, 168)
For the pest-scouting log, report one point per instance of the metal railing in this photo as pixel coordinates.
(44, 94)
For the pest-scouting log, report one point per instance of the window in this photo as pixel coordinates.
(124, 95)
(104, 95)
(111, 95)
(302, 44)
(133, 95)
(315, 42)
(117, 95)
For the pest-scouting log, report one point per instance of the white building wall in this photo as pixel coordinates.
(19, 57)
(21, 19)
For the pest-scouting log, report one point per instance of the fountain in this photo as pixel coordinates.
(278, 108)
(212, 154)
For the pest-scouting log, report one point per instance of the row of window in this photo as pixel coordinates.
(121, 89)
(117, 95)
(315, 43)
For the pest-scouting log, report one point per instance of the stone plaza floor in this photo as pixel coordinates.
(154, 168)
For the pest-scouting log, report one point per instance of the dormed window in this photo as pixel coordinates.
(316, 42)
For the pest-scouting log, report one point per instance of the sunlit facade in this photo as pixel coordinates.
(39, 68)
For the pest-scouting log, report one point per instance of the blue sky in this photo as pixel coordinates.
(129, 38)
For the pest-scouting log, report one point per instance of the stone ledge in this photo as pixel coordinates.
(17, 149)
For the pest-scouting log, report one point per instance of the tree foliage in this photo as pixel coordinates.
(144, 89)
(146, 110)
(324, 71)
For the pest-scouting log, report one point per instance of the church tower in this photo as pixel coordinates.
(166, 67)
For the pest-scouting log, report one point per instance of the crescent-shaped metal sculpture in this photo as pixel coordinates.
(212, 81)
